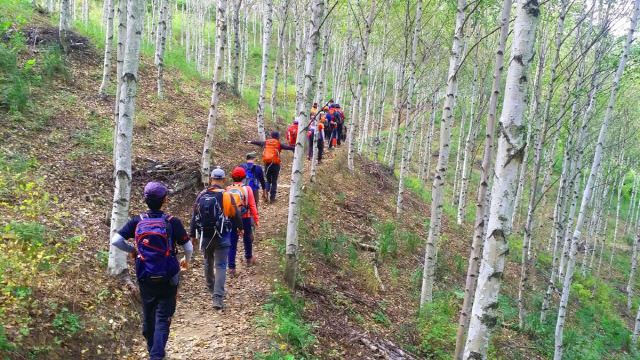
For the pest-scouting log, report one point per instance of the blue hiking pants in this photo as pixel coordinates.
(247, 239)
(158, 306)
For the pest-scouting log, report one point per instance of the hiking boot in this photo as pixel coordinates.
(251, 261)
(218, 304)
(232, 273)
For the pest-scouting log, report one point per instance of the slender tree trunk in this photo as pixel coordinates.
(265, 67)
(353, 123)
(279, 54)
(120, 48)
(221, 39)
(291, 266)
(236, 48)
(568, 279)
(117, 264)
(508, 158)
(437, 189)
(615, 229)
(108, 46)
(411, 118)
(161, 39)
(482, 201)
(65, 25)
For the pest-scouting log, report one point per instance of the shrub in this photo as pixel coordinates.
(437, 326)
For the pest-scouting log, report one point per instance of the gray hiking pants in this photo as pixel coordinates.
(216, 256)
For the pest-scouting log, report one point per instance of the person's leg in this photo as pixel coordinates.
(267, 179)
(247, 238)
(275, 168)
(339, 133)
(166, 308)
(233, 248)
(320, 150)
(149, 303)
(208, 268)
(310, 149)
(220, 258)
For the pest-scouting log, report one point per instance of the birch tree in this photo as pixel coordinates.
(266, 37)
(411, 118)
(108, 46)
(482, 200)
(161, 39)
(291, 266)
(508, 158)
(64, 25)
(117, 264)
(568, 278)
(437, 189)
(221, 39)
(120, 47)
(284, 13)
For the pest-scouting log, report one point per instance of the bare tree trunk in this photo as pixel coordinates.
(279, 54)
(291, 266)
(236, 48)
(106, 71)
(482, 201)
(508, 158)
(221, 42)
(65, 25)
(615, 229)
(265, 63)
(117, 264)
(568, 279)
(437, 189)
(411, 116)
(353, 127)
(161, 39)
(120, 48)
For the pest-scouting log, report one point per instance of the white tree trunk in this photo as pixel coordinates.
(161, 39)
(279, 54)
(108, 46)
(411, 118)
(117, 264)
(353, 127)
(64, 25)
(221, 39)
(236, 49)
(291, 266)
(120, 47)
(568, 279)
(266, 40)
(508, 158)
(615, 229)
(482, 201)
(437, 189)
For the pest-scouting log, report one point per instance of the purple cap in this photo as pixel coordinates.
(155, 190)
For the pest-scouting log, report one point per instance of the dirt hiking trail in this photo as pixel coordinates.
(200, 332)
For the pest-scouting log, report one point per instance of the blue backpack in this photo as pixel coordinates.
(156, 253)
(251, 180)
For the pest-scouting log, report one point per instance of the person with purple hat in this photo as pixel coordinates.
(158, 270)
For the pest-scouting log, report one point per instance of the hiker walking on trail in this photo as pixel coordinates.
(243, 196)
(254, 177)
(157, 267)
(311, 138)
(213, 211)
(337, 116)
(271, 160)
(292, 133)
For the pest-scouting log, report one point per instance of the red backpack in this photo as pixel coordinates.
(292, 134)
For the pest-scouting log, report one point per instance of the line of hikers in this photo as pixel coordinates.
(221, 215)
(329, 123)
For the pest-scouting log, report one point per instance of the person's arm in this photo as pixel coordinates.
(252, 205)
(192, 222)
(180, 234)
(118, 241)
(287, 147)
(255, 142)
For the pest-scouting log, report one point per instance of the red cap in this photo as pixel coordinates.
(238, 172)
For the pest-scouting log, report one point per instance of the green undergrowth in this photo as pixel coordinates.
(283, 315)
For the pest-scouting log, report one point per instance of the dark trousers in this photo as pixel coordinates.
(334, 135)
(339, 134)
(310, 148)
(247, 239)
(158, 306)
(320, 149)
(273, 170)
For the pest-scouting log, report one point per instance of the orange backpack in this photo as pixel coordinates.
(240, 197)
(271, 154)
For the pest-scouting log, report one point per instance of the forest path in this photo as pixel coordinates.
(198, 331)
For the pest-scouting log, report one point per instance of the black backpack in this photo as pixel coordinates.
(210, 217)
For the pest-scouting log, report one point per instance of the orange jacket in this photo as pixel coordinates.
(251, 200)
